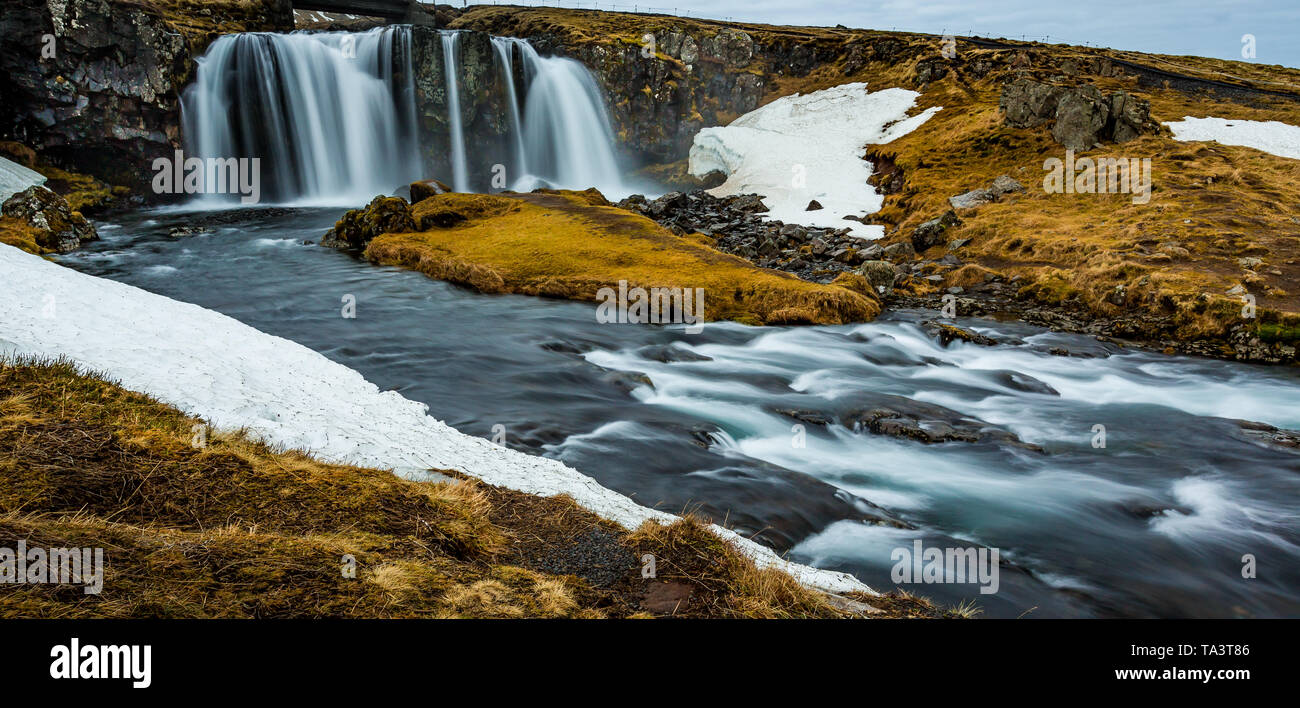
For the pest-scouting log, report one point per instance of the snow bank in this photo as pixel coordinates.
(14, 178)
(234, 376)
(1272, 136)
(818, 137)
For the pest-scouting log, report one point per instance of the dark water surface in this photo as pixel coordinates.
(1153, 524)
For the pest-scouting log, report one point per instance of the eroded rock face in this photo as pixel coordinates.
(1080, 115)
(59, 227)
(693, 78)
(94, 84)
(484, 112)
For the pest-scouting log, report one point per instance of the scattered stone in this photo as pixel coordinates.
(880, 274)
(813, 205)
(899, 251)
(972, 199)
(736, 225)
(931, 232)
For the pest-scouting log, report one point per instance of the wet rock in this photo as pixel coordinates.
(179, 231)
(947, 334)
(359, 226)
(806, 416)
(901, 417)
(668, 353)
(1024, 382)
(1266, 434)
(58, 227)
(419, 191)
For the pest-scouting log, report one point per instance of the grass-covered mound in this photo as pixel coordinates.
(573, 244)
(199, 524)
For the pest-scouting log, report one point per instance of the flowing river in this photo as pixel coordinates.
(751, 426)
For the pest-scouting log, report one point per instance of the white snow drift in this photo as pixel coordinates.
(809, 147)
(1273, 137)
(14, 178)
(234, 376)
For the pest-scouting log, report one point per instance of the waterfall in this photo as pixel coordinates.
(566, 139)
(331, 115)
(503, 47)
(451, 63)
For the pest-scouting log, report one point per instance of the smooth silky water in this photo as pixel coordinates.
(1154, 524)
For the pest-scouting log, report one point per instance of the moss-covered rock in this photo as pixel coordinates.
(39, 215)
(359, 226)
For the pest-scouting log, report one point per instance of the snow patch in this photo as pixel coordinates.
(818, 137)
(14, 178)
(214, 367)
(1273, 137)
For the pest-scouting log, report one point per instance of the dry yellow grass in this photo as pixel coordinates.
(573, 244)
(15, 232)
(232, 528)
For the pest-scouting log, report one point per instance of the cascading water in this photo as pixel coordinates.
(565, 139)
(503, 49)
(331, 115)
(451, 66)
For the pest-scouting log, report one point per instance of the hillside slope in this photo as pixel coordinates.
(1208, 264)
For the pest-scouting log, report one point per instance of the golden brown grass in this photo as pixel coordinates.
(15, 232)
(222, 526)
(1219, 203)
(572, 244)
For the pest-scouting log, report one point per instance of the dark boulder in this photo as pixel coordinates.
(931, 233)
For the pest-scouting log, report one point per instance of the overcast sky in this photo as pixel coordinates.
(1199, 27)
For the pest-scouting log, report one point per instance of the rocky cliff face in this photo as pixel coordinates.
(93, 85)
(666, 78)
(483, 110)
